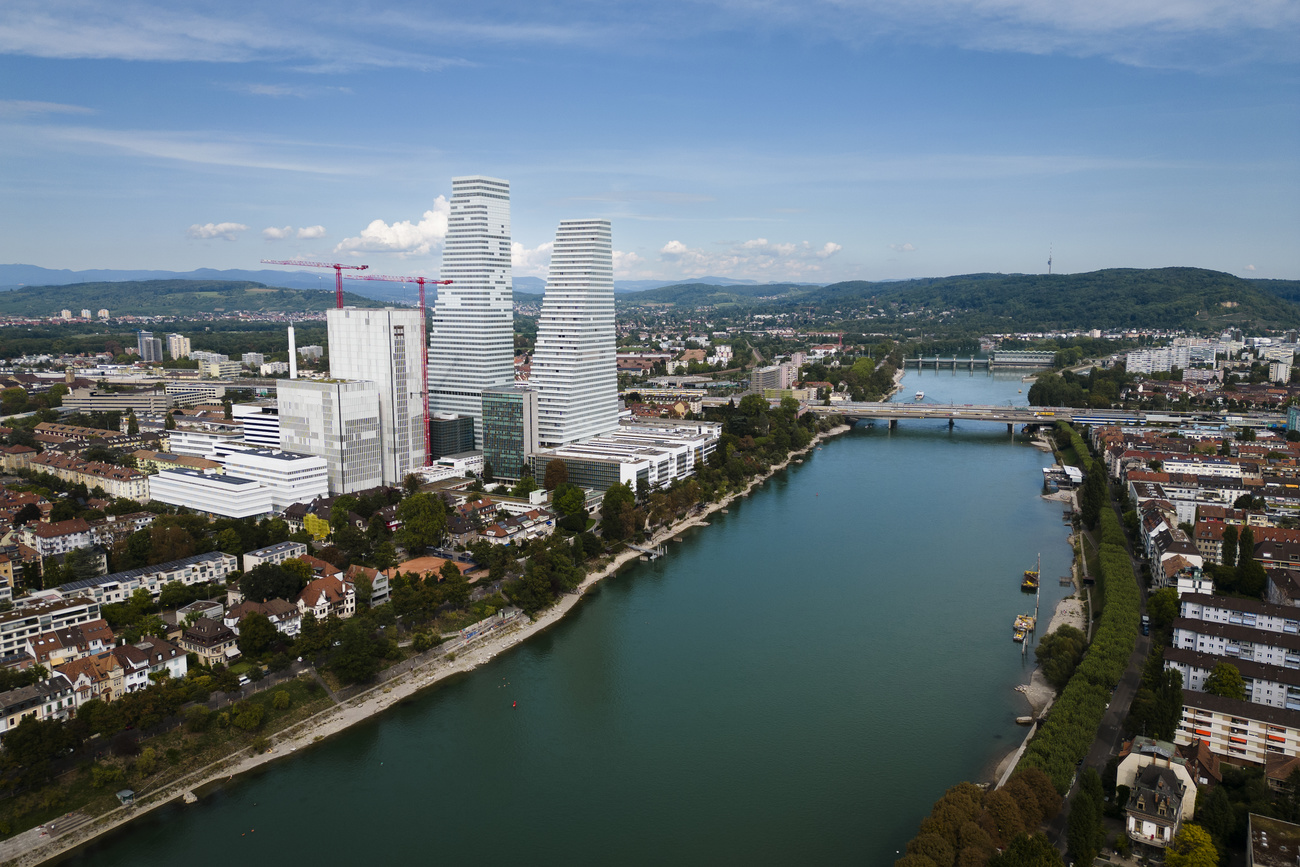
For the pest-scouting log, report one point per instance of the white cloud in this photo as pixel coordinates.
(625, 265)
(405, 238)
(208, 231)
(903, 248)
(758, 258)
(271, 233)
(308, 233)
(1250, 267)
(25, 107)
(530, 262)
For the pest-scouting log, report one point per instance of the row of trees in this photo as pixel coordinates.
(1066, 735)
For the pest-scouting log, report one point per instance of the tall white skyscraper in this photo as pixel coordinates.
(575, 367)
(383, 347)
(471, 338)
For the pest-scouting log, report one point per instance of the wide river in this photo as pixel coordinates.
(796, 683)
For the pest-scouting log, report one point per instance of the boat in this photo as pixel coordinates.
(920, 395)
(1023, 626)
(1030, 582)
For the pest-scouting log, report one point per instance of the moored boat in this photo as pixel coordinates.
(1030, 582)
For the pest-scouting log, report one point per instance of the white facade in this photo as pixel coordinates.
(471, 338)
(260, 422)
(383, 347)
(197, 443)
(178, 346)
(575, 369)
(225, 495)
(291, 478)
(338, 421)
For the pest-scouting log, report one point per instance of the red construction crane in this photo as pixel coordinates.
(424, 343)
(338, 272)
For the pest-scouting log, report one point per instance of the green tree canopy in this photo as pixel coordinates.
(557, 473)
(424, 522)
(256, 634)
(1225, 681)
(617, 511)
(1192, 847)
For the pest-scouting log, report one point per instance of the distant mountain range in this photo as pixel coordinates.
(16, 276)
(170, 298)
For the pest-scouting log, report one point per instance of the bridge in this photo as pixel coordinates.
(938, 363)
(1035, 415)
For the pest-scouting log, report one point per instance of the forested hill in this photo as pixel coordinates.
(170, 298)
(1187, 298)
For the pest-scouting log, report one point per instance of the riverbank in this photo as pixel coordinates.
(429, 670)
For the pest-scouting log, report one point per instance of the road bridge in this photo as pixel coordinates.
(1036, 415)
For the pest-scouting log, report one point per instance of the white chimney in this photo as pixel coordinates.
(293, 355)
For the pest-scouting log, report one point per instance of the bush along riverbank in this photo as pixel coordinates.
(1064, 739)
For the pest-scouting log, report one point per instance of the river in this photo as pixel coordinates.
(796, 683)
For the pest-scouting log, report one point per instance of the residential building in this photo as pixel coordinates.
(574, 368)
(55, 540)
(113, 480)
(213, 567)
(383, 347)
(252, 359)
(339, 421)
(178, 346)
(210, 640)
(509, 429)
(327, 596)
(291, 478)
(380, 591)
(450, 434)
(471, 337)
(276, 554)
(1241, 732)
(1155, 806)
(21, 625)
(149, 461)
(214, 494)
(150, 347)
(54, 698)
(53, 648)
(284, 615)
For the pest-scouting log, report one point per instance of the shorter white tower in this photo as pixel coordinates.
(575, 368)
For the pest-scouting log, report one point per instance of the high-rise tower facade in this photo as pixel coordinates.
(471, 338)
(575, 366)
(383, 347)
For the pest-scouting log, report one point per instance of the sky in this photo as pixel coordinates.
(773, 140)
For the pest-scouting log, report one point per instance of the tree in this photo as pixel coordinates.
(357, 659)
(229, 541)
(616, 513)
(170, 422)
(13, 400)
(1192, 847)
(411, 483)
(1085, 833)
(256, 634)
(1225, 681)
(1027, 851)
(1228, 556)
(488, 476)
(424, 522)
(455, 587)
(557, 473)
(525, 486)
(132, 424)
(1059, 652)
(269, 581)
(28, 513)
(80, 564)
(1163, 606)
(569, 500)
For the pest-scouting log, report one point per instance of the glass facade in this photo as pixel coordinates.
(509, 429)
(450, 434)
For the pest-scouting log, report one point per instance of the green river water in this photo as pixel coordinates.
(794, 684)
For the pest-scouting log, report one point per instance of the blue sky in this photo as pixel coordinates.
(815, 140)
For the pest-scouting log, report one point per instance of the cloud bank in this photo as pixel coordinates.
(404, 238)
(208, 231)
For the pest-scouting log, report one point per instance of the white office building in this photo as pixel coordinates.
(339, 421)
(178, 346)
(225, 495)
(575, 367)
(471, 338)
(291, 478)
(383, 347)
(260, 421)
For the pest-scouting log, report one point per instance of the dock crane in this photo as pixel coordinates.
(424, 341)
(338, 272)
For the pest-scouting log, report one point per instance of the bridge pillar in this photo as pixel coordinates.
(893, 423)
(1011, 428)
(950, 423)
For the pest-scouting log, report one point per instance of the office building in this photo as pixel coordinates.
(290, 477)
(471, 337)
(260, 421)
(150, 347)
(509, 429)
(178, 346)
(383, 347)
(225, 495)
(252, 359)
(575, 369)
(450, 434)
(337, 420)
(643, 456)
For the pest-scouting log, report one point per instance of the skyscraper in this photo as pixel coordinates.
(575, 366)
(471, 338)
(178, 346)
(383, 347)
(509, 429)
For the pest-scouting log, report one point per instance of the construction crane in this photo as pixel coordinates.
(424, 342)
(338, 272)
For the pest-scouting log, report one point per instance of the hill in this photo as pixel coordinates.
(171, 298)
(1187, 298)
